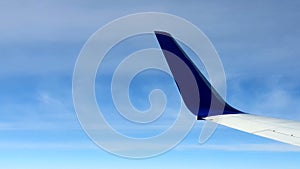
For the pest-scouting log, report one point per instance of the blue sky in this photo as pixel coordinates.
(257, 42)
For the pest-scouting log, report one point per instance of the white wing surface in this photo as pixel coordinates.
(286, 131)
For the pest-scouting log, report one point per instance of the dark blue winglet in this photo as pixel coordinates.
(196, 91)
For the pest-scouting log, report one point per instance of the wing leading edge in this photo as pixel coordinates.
(277, 129)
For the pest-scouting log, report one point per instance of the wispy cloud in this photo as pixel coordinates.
(260, 147)
(40, 145)
(60, 20)
(41, 112)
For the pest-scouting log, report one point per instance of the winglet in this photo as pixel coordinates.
(195, 89)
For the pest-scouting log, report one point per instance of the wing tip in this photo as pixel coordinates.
(202, 88)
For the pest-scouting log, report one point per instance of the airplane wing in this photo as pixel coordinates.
(193, 87)
(282, 130)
